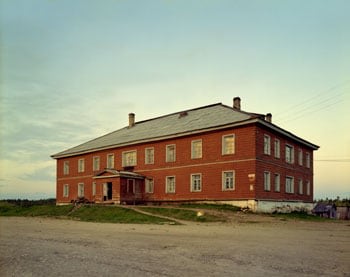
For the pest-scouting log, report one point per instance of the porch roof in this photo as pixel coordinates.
(111, 172)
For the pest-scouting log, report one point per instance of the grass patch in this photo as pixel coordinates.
(112, 214)
(181, 214)
(219, 207)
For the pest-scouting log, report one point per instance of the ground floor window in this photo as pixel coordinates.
(93, 189)
(80, 190)
(308, 187)
(170, 184)
(267, 183)
(196, 182)
(228, 180)
(149, 185)
(65, 190)
(301, 187)
(289, 185)
(277, 182)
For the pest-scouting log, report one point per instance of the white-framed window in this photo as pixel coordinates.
(228, 144)
(301, 190)
(96, 163)
(228, 180)
(65, 190)
(93, 188)
(289, 184)
(149, 185)
(196, 149)
(307, 160)
(170, 184)
(129, 158)
(277, 149)
(196, 182)
(267, 145)
(308, 188)
(170, 153)
(66, 167)
(81, 190)
(289, 154)
(277, 182)
(110, 160)
(267, 181)
(149, 155)
(81, 165)
(300, 157)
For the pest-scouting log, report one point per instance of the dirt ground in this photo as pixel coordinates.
(253, 246)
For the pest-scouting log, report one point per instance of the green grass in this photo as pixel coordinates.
(299, 216)
(182, 214)
(219, 207)
(111, 214)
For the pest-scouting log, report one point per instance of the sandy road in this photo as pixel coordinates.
(51, 247)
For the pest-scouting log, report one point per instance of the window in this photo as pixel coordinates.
(300, 157)
(308, 188)
(196, 182)
(129, 158)
(196, 149)
(228, 182)
(289, 185)
(80, 190)
(277, 182)
(66, 167)
(289, 154)
(149, 185)
(228, 144)
(96, 163)
(65, 190)
(149, 155)
(110, 161)
(81, 165)
(267, 181)
(301, 186)
(267, 145)
(277, 148)
(170, 184)
(308, 160)
(93, 189)
(170, 153)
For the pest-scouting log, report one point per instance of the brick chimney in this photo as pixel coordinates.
(131, 120)
(268, 117)
(237, 103)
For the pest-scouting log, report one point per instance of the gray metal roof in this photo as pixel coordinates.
(172, 125)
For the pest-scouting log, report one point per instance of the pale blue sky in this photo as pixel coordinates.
(73, 70)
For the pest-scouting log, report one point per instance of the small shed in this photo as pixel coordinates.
(325, 210)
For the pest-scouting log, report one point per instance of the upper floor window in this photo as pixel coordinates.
(289, 184)
(307, 160)
(196, 182)
(196, 149)
(289, 154)
(267, 145)
(300, 157)
(277, 148)
(65, 190)
(170, 153)
(228, 144)
(267, 181)
(129, 158)
(228, 180)
(277, 182)
(66, 167)
(149, 155)
(81, 165)
(170, 184)
(149, 185)
(110, 161)
(96, 163)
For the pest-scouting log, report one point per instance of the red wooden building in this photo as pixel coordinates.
(212, 153)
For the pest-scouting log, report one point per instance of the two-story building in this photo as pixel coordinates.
(214, 153)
